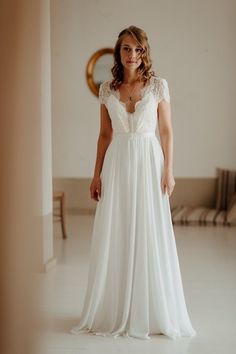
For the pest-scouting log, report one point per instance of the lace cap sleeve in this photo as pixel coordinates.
(104, 91)
(161, 90)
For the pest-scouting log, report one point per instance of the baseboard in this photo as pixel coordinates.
(187, 191)
(51, 263)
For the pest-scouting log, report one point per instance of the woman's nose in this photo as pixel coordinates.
(132, 53)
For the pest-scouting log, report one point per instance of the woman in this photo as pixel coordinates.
(134, 283)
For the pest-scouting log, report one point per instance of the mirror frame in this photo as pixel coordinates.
(90, 68)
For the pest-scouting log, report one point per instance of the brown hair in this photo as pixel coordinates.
(145, 72)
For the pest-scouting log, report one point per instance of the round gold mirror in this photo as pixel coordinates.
(99, 69)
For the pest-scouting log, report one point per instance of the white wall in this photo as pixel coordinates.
(46, 105)
(45, 60)
(192, 46)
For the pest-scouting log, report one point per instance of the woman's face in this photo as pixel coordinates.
(130, 53)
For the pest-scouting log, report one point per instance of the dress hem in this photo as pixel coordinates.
(129, 335)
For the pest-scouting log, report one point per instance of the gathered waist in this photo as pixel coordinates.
(135, 134)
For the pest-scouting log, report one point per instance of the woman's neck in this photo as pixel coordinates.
(130, 77)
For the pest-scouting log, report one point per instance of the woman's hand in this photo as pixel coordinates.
(95, 188)
(167, 182)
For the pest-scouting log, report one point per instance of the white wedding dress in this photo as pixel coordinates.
(134, 282)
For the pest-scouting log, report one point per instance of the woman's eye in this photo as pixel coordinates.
(127, 49)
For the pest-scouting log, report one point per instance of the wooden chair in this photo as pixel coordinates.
(60, 197)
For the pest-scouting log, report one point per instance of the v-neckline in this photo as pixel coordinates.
(142, 93)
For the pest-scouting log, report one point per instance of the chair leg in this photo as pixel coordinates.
(62, 209)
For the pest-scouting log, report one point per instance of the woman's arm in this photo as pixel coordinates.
(104, 139)
(166, 136)
(166, 133)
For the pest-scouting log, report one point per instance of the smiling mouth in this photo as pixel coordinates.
(131, 62)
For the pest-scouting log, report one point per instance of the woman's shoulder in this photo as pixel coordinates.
(160, 87)
(104, 90)
(105, 86)
(158, 80)
(105, 83)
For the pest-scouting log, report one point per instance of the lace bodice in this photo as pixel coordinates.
(158, 86)
(144, 117)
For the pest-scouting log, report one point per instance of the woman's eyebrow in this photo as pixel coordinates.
(127, 45)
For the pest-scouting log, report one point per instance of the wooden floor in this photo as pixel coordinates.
(207, 257)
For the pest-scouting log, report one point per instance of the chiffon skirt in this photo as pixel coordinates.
(134, 283)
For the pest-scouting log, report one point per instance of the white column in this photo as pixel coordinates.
(46, 121)
(26, 242)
